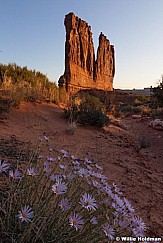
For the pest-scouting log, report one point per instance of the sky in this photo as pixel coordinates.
(32, 34)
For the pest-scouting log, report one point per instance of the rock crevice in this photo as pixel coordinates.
(82, 71)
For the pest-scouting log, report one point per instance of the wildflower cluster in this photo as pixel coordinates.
(62, 195)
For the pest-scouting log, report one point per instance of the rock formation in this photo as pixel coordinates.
(82, 71)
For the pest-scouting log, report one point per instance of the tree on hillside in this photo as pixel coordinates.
(158, 92)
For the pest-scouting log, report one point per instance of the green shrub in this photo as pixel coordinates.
(63, 96)
(156, 112)
(146, 111)
(144, 141)
(158, 93)
(137, 110)
(126, 108)
(93, 102)
(20, 83)
(119, 114)
(85, 115)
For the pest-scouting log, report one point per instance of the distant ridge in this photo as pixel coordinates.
(145, 91)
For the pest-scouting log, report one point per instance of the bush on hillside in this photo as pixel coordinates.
(144, 141)
(158, 93)
(85, 115)
(20, 83)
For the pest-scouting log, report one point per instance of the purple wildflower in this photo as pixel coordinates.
(119, 201)
(128, 205)
(46, 164)
(70, 176)
(116, 189)
(51, 149)
(59, 188)
(123, 224)
(52, 177)
(51, 159)
(109, 231)
(64, 205)
(26, 214)
(88, 161)
(98, 167)
(88, 202)
(75, 162)
(107, 189)
(83, 172)
(15, 174)
(47, 168)
(76, 221)
(62, 166)
(41, 139)
(73, 157)
(100, 176)
(59, 157)
(92, 173)
(3, 166)
(65, 153)
(32, 171)
(97, 184)
(57, 178)
(89, 167)
(46, 138)
(94, 220)
(138, 226)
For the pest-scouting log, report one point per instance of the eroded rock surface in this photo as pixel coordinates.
(82, 71)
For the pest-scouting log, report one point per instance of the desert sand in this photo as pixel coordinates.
(137, 172)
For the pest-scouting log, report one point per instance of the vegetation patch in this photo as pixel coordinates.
(62, 198)
(21, 84)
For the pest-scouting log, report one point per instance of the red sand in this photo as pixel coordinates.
(138, 173)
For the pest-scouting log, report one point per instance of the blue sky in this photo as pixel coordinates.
(33, 35)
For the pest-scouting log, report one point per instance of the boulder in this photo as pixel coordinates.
(157, 124)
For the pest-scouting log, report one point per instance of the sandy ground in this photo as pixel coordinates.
(138, 172)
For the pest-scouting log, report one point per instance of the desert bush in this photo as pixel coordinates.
(53, 94)
(63, 96)
(24, 84)
(90, 111)
(126, 108)
(61, 198)
(137, 102)
(71, 128)
(72, 112)
(13, 95)
(119, 114)
(157, 112)
(95, 117)
(143, 98)
(85, 115)
(137, 110)
(98, 99)
(146, 111)
(144, 141)
(158, 93)
(93, 102)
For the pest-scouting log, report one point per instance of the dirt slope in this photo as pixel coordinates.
(138, 172)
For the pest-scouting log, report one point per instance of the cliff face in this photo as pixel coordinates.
(82, 71)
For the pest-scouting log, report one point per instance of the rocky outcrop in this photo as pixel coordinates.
(82, 71)
(157, 124)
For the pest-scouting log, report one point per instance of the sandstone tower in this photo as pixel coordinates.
(82, 71)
